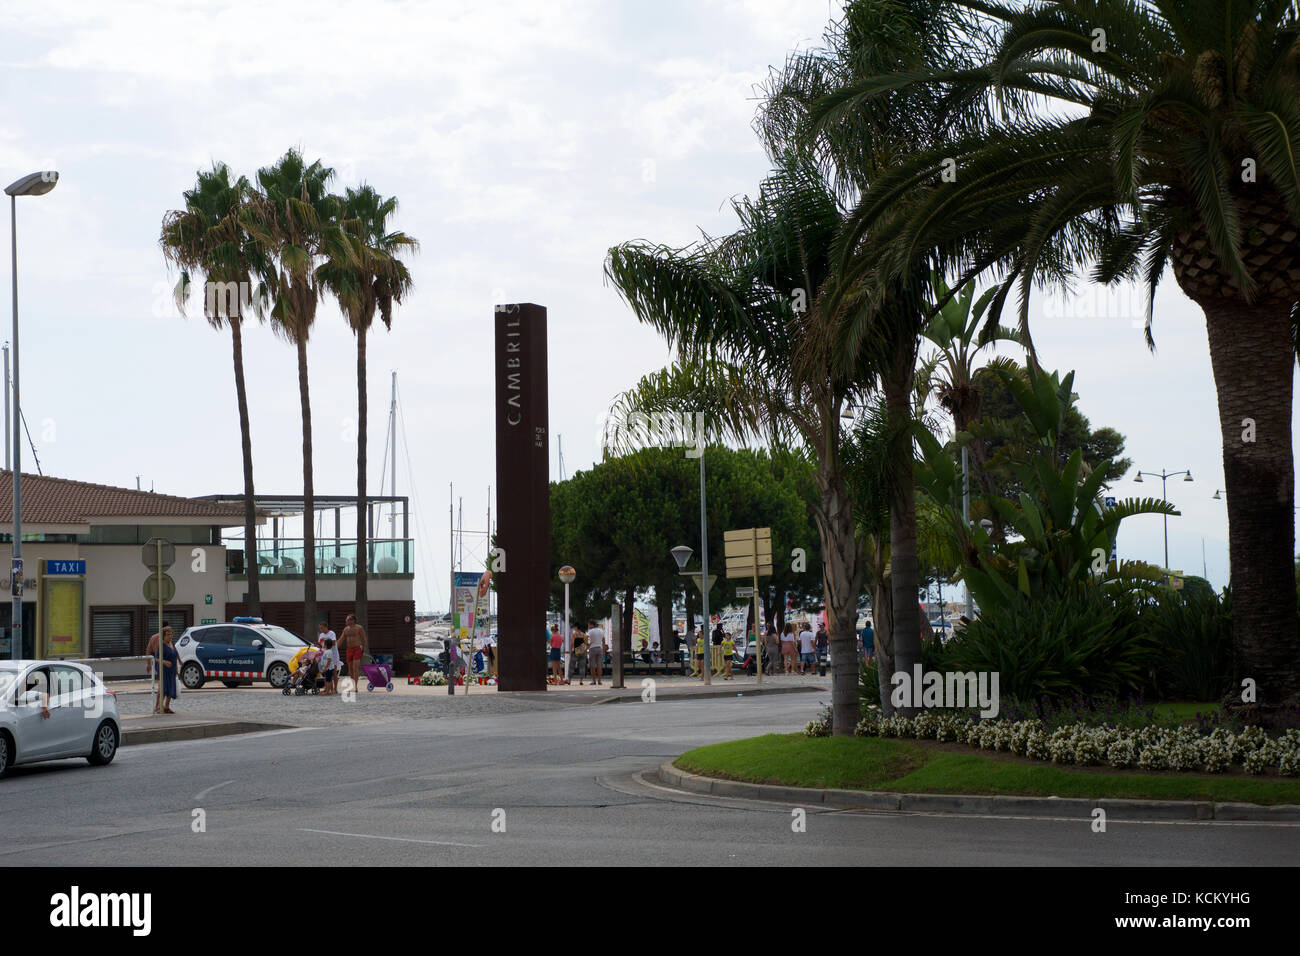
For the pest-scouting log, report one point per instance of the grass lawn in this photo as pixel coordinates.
(911, 766)
(1174, 712)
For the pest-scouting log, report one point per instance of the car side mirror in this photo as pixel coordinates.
(257, 643)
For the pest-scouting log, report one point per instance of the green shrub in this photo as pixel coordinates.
(869, 683)
(1192, 633)
(1085, 645)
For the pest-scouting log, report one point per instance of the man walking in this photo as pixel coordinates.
(595, 650)
(353, 643)
(868, 637)
(823, 643)
(807, 652)
(690, 649)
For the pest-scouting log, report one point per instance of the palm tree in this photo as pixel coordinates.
(207, 237)
(735, 309)
(1171, 143)
(879, 323)
(296, 221)
(373, 280)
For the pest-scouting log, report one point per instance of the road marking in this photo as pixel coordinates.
(203, 793)
(371, 836)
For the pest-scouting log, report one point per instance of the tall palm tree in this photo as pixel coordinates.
(856, 147)
(735, 309)
(206, 237)
(1170, 144)
(371, 282)
(296, 221)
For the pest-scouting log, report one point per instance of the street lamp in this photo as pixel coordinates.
(33, 184)
(567, 574)
(1164, 476)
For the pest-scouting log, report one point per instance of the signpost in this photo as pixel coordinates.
(158, 555)
(749, 554)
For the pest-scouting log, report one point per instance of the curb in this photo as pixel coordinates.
(224, 728)
(979, 805)
(634, 694)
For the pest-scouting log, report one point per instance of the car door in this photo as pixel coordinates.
(72, 719)
(248, 651)
(213, 649)
(37, 737)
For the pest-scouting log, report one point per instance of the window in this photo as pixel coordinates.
(68, 681)
(110, 633)
(213, 635)
(244, 637)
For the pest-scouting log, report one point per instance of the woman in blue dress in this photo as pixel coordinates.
(171, 660)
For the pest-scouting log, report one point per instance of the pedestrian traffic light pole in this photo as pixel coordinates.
(704, 575)
(1164, 476)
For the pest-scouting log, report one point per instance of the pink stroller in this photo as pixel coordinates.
(377, 675)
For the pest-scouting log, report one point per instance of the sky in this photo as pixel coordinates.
(522, 140)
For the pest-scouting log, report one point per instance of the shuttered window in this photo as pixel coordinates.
(110, 633)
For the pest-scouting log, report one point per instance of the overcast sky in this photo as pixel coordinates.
(522, 140)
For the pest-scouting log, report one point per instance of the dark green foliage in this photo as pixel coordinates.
(869, 683)
(1055, 648)
(1192, 632)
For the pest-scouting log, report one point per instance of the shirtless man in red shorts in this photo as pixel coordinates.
(353, 641)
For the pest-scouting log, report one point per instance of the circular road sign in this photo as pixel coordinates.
(149, 554)
(151, 589)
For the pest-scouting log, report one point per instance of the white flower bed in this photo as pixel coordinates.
(1151, 748)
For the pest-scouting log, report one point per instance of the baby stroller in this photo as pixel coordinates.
(377, 675)
(304, 679)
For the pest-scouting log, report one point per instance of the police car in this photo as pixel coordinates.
(237, 653)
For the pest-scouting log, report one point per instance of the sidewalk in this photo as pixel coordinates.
(161, 728)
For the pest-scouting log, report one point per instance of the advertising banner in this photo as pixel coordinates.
(464, 595)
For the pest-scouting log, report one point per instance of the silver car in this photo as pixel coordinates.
(50, 710)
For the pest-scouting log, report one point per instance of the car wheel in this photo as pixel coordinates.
(192, 675)
(6, 753)
(278, 674)
(104, 747)
(231, 683)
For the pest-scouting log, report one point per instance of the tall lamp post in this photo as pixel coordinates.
(1164, 476)
(704, 581)
(33, 184)
(567, 574)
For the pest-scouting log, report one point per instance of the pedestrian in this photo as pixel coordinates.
(170, 661)
(868, 637)
(701, 650)
(823, 643)
(557, 655)
(151, 651)
(787, 647)
(728, 650)
(325, 634)
(772, 648)
(329, 665)
(807, 648)
(595, 649)
(579, 658)
(492, 660)
(353, 643)
(690, 648)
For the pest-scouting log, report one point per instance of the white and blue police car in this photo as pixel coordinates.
(245, 650)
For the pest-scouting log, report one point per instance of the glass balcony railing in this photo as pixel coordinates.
(333, 556)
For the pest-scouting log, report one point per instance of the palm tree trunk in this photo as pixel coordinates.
(842, 580)
(882, 603)
(904, 569)
(1253, 358)
(246, 445)
(308, 502)
(362, 597)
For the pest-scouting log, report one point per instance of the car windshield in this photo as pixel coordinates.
(281, 637)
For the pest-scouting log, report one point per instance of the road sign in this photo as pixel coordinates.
(149, 554)
(151, 588)
(65, 567)
(748, 552)
(744, 592)
(1109, 501)
(696, 579)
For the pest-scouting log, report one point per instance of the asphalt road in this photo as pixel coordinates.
(565, 780)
